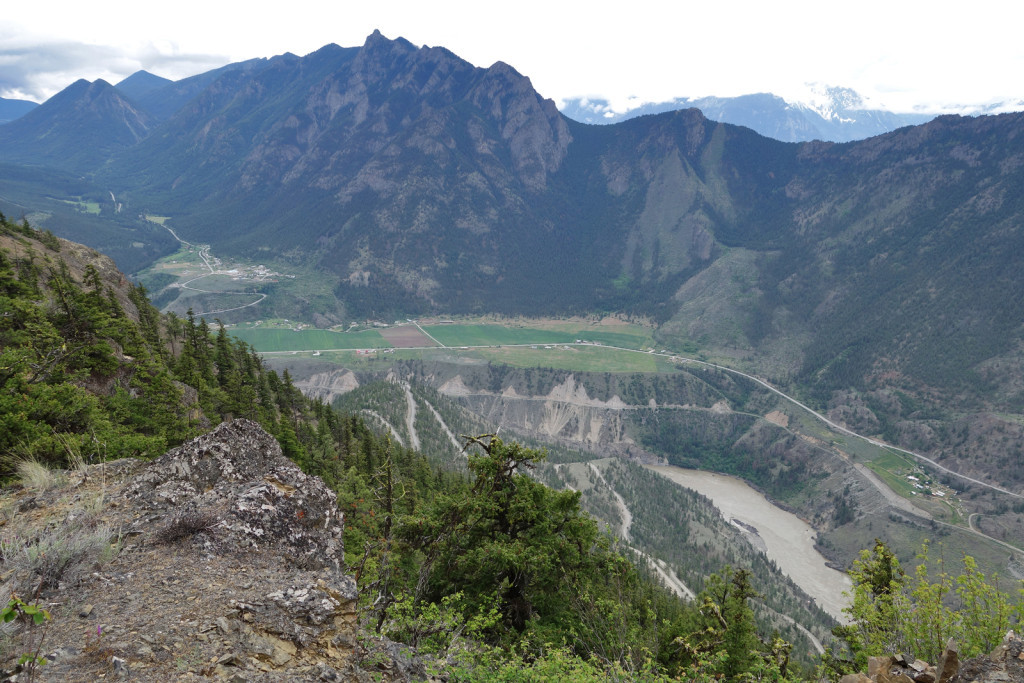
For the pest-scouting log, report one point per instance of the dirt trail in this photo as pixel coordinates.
(810, 636)
(451, 436)
(673, 583)
(390, 427)
(660, 567)
(410, 417)
(624, 513)
(203, 254)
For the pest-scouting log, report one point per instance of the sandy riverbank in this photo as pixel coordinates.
(788, 540)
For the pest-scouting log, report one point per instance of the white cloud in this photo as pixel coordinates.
(902, 54)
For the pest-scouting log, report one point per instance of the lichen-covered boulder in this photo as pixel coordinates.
(236, 477)
(1005, 664)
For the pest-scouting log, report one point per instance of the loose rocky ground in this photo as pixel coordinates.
(220, 559)
(1005, 664)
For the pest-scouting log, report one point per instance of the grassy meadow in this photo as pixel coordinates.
(540, 332)
(276, 339)
(581, 358)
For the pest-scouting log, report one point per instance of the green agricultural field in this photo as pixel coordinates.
(625, 340)
(308, 340)
(894, 481)
(185, 259)
(625, 335)
(891, 469)
(83, 205)
(860, 449)
(582, 358)
(491, 334)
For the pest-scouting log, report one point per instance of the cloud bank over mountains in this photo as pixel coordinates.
(903, 57)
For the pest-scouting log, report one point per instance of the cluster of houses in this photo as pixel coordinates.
(925, 486)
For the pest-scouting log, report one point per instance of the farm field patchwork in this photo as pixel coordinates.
(581, 358)
(406, 336)
(264, 339)
(490, 334)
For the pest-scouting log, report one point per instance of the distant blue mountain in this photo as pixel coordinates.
(836, 114)
(13, 109)
(140, 83)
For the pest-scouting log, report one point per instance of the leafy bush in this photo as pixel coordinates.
(32, 615)
(892, 611)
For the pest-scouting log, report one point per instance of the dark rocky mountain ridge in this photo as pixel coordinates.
(75, 128)
(417, 182)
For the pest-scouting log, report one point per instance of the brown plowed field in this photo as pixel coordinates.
(406, 336)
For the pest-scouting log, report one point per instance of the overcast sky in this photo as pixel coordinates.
(900, 54)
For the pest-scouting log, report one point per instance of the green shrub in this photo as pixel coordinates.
(892, 611)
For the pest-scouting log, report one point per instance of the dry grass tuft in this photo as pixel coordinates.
(37, 476)
(61, 554)
(185, 525)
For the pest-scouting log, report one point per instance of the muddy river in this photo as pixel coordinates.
(784, 537)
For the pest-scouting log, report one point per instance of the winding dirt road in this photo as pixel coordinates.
(204, 254)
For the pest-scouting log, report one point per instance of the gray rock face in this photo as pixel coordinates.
(237, 475)
(1004, 664)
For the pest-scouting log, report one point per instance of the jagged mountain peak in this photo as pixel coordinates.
(839, 96)
(506, 69)
(81, 93)
(832, 103)
(378, 41)
(293, 118)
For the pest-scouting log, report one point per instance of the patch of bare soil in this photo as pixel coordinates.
(406, 336)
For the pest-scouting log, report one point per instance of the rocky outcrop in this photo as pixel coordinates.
(237, 474)
(229, 566)
(1004, 664)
